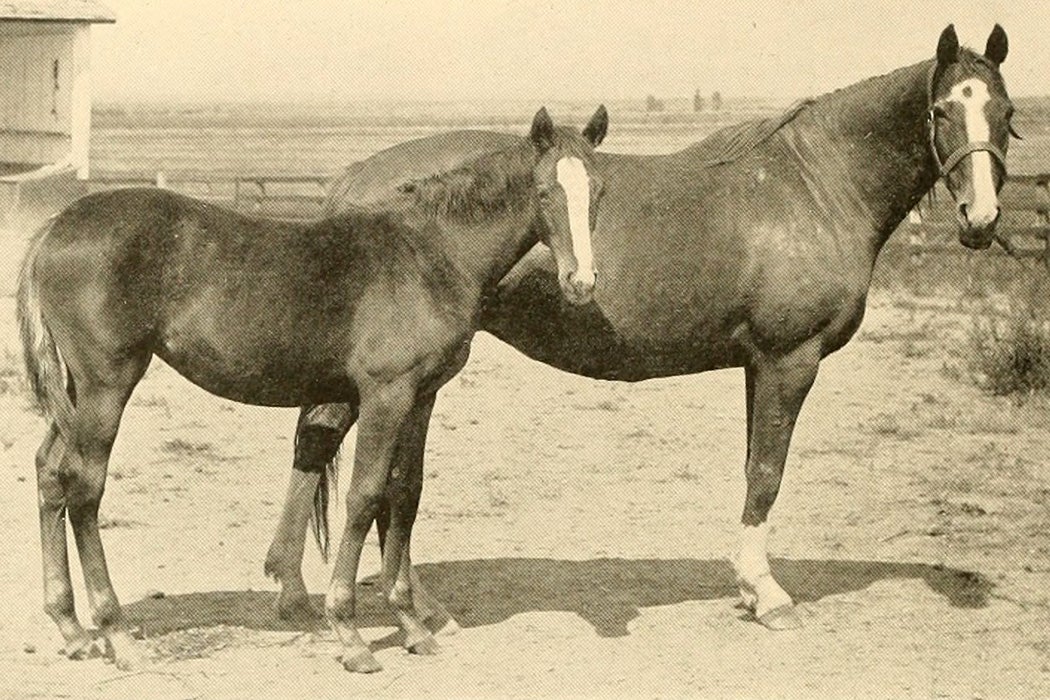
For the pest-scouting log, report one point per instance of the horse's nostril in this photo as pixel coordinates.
(964, 211)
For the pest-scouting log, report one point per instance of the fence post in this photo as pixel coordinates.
(1044, 215)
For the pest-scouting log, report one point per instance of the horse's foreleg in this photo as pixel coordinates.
(776, 388)
(319, 433)
(400, 583)
(97, 418)
(58, 586)
(384, 409)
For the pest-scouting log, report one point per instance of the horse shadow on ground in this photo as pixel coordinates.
(607, 593)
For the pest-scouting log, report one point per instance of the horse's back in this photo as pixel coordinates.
(376, 179)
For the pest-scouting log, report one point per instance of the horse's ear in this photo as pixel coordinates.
(542, 133)
(998, 45)
(948, 46)
(597, 126)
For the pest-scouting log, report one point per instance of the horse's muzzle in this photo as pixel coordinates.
(578, 289)
(976, 229)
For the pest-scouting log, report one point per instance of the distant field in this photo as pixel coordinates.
(297, 140)
(226, 140)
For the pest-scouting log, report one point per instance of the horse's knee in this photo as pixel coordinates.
(84, 488)
(363, 505)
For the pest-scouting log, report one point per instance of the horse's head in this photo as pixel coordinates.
(568, 189)
(969, 129)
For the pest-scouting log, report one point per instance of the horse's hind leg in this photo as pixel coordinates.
(384, 408)
(96, 418)
(318, 435)
(58, 586)
(776, 388)
(400, 583)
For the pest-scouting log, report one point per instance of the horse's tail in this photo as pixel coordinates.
(46, 373)
(320, 517)
(326, 484)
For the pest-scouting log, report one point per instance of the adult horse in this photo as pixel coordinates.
(374, 311)
(753, 248)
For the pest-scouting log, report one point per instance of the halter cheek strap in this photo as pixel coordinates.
(947, 165)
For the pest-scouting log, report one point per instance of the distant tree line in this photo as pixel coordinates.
(699, 104)
(654, 104)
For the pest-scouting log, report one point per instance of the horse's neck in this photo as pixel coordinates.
(490, 225)
(870, 140)
(486, 251)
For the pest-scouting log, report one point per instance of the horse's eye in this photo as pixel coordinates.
(939, 112)
(544, 194)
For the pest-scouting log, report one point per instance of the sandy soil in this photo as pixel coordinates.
(578, 531)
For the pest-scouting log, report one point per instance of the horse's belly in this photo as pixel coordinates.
(595, 340)
(251, 366)
(273, 383)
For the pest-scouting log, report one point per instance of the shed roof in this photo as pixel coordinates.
(55, 11)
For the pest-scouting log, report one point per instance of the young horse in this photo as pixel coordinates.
(771, 230)
(364, 309)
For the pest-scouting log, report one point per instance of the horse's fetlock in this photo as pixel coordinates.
(400, 597)
(107, 613)
(339, 603)
(60, 606)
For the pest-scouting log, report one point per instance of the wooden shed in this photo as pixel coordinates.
(45, 95)
(45, 114)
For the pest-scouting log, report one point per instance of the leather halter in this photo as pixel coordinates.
(948, 164)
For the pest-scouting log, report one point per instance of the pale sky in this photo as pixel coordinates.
(285, 50)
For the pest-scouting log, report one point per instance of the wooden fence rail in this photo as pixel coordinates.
(289, 196)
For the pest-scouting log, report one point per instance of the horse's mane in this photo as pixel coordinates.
(731, 143)
(487, 185)
(870, 91)
(479, 189)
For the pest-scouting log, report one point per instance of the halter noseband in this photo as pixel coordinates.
(946, 166)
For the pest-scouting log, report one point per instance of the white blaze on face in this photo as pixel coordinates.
(973, 95)
(572, 176)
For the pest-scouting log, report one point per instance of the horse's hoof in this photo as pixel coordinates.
(424, 646)
(127, 654)
(361, 662)
(82, 649)
(132, 662)
(784, 617)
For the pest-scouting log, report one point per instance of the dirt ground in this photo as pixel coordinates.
(578, 530)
